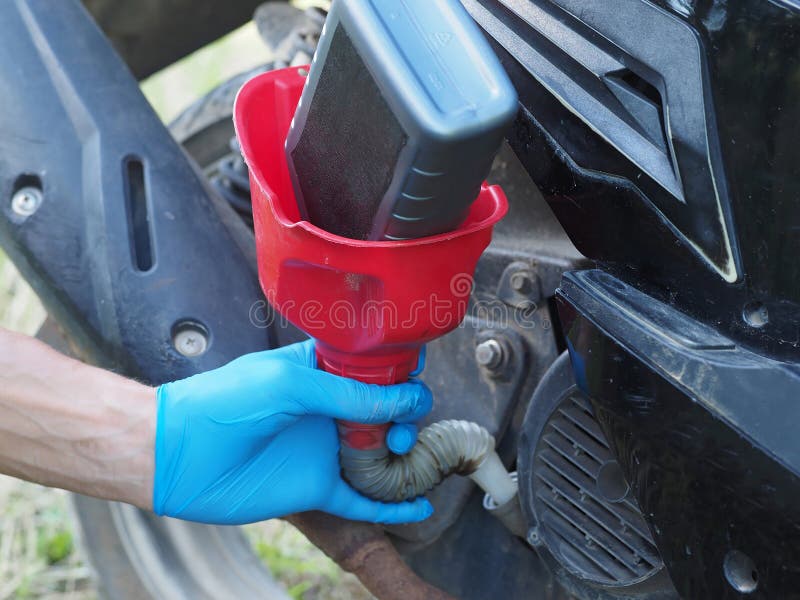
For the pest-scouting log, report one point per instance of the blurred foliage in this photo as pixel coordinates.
(55, 547)
(38, 556)
(20, 309)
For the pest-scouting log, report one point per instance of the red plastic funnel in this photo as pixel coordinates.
(369, 305)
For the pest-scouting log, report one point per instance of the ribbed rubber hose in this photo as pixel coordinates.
(442, 449)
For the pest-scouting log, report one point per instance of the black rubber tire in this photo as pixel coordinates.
(134, 553)
(205, 127)
(137, 555)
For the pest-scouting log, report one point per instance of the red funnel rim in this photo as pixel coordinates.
(260, 96)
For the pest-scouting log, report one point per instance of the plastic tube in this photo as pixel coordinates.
(506, 508)
(493, 479)
(442, 449)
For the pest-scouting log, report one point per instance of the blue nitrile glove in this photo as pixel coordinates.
(256, 439)
(401, 437)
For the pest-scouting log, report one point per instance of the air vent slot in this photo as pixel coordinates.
(138, 214)
(586, 514)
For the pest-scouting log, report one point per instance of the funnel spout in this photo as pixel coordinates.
(445, 448)
(442, 449)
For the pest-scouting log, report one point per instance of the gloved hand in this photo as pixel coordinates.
(256, 439)
(401, 437)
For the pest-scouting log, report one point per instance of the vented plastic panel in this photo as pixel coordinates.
(598, 539)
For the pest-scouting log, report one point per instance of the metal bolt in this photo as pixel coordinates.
(26, 201)
(489, 354)
(190, 340)
(520, 282)
(755, 314)
(533, 536)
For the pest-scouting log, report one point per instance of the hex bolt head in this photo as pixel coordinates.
(26, 201)
(489, 354)
(190, 340)
(533, 538)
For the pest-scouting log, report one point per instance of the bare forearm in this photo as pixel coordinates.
(69, 425)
